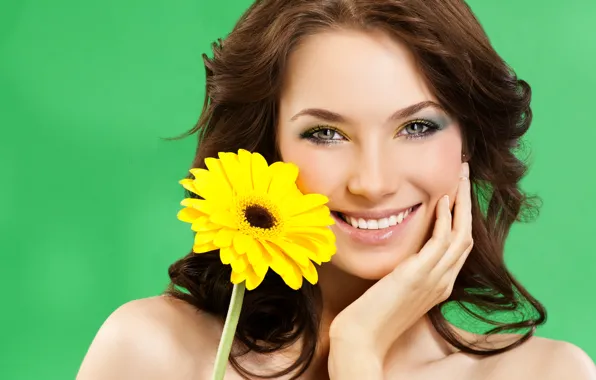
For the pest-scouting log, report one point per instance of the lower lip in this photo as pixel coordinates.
(374, 237)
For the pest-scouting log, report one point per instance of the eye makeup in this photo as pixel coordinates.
(415, 129)
(323, 135)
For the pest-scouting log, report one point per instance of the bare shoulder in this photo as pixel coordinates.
(545, 359)
(561, 360)
(537, 358)
(152, 338)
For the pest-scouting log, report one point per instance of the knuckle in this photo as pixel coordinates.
(465, 239)
(468, 244)
(444, 288)
(444, 240)
(417, 282)
(444, 294)
(447, 291)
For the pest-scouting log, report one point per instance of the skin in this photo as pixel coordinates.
(375, 296)
(366, 172)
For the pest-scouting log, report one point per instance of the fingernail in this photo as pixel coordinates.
(465, 170)
(446, 200)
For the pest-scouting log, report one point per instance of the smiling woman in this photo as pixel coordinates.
(404, 116)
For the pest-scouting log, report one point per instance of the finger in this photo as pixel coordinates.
(462, 226)
(451, 275)
(436, 246)
(462, 259)
(462, 218)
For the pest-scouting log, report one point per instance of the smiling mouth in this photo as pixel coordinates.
(377, 224)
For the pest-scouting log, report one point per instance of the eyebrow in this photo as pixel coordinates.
(334, 117)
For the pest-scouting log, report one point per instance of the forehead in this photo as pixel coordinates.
(366, 74)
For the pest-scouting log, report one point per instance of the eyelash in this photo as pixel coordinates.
(432, 127)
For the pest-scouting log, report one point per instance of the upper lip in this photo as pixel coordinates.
(375, 214)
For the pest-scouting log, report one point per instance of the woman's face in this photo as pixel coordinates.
(357, 118)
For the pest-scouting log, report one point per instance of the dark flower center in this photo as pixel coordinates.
(260, 217)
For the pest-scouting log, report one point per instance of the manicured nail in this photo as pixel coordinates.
(465, 170)
(446, 201)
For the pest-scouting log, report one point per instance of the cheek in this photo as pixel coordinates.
(433, 166)
(438, 165)
(317, 174)
(443, 168)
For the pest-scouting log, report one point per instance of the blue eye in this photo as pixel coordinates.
(323, 135)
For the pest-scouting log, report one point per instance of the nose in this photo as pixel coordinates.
(373, 175)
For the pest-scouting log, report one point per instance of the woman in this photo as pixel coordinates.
(401, 112)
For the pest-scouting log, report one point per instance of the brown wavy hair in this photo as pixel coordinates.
(470, 80)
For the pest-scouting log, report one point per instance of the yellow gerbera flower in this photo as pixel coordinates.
(258, 219)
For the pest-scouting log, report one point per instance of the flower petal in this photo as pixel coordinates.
(255, 255)
(204, 237)
(317, 251)
(237, 277)
(203, 182)
(188, 184)
(252, 279)
(202, 248)
(215, 166)
(260, 269)
(279, 261)
(224, 237)
(245, 159)
(323, 235)
(293, 251)
(200, 175)
(310, 273)
(267, 259)
(310, 249)
(202, 205)
(189, 214)
(304, 203)
(211, 186)
(224, 218)
(240, 263)
(311, 219)
(293, 277)
(283, 179)
(203, 225)
(257, 259)
(227, 255)
(233, 170)
(302, 251)
(261, 175)
(242, 243)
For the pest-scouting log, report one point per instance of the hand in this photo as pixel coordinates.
(387, 309)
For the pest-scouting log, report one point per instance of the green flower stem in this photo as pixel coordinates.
(229, 331)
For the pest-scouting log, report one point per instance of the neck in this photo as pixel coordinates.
(339, 289)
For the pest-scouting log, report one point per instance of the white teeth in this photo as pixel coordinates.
(372, 224)
(383, 223)
(362, 223)
(377, 224)
(400, 217)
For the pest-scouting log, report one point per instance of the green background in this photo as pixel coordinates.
(89, 192)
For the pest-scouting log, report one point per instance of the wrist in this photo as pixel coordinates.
(353, 338)
(352, 360)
